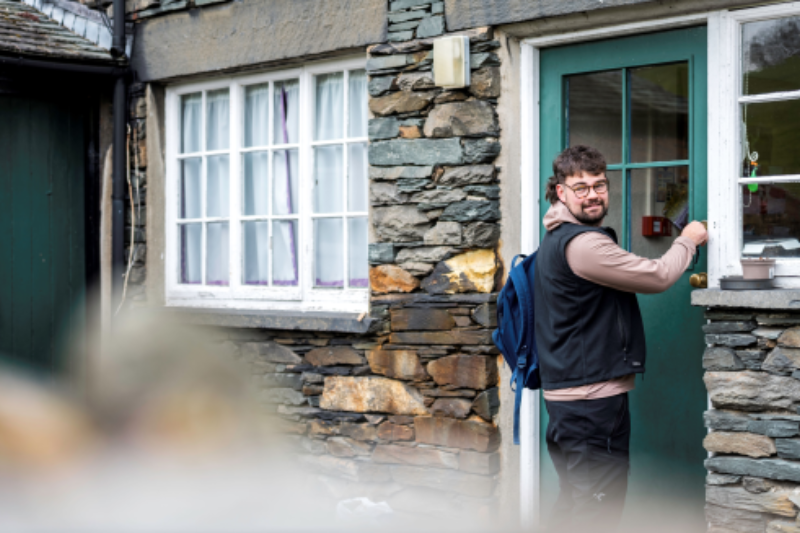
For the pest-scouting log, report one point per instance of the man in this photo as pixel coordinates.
(590, 337)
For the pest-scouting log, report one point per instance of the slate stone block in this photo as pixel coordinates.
(412, 185)
(487, 403)
(375, 63)
(716, 358)
(778, 469)
(471, 210)
(788, 448)
(731, 340)
(402, 16)
(401, 26)
(774, 428)
(464, 371)
(383, 128)
(751, 358)
(722, 421)
(400, 36)
(730, 327)
(489, 191)
(379, 253)
(380, 85)
(402, 172)
(397, 5)
(431, 27)
(483, 59)
(480, 150)
(418, 319)
(416, 152)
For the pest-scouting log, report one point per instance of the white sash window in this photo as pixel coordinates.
(267, 190)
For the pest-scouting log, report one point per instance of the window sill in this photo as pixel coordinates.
(781, 299)
(280, 320)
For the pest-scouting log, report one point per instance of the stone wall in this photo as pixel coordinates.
(752, 366)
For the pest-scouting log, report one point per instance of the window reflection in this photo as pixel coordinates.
(659, 107)
(594, 112)
(771, 220)
(771, 58)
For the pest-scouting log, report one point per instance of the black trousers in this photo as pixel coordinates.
(588, 441)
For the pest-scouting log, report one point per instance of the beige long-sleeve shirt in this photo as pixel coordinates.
(597, 258)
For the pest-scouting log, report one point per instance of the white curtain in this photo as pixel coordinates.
(357, 104)
(191, 107)
(357, 252)
(256, 115)
(217, 253)
(191, 253)
(191, 200)
(217, 120)
(256, 252)
(217, 188)
(357, 178)
(329, 106)
(328, 250)
(286, 112)
(284, 188)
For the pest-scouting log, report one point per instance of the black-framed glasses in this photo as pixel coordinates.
(582, 190)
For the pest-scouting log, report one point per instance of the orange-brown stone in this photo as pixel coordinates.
(390, 278)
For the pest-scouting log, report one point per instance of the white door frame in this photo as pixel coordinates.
(530, 444)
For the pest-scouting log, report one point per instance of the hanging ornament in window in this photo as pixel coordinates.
(753, 157)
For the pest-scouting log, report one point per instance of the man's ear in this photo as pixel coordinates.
(560, 192)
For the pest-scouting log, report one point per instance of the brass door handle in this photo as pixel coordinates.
(699, 280)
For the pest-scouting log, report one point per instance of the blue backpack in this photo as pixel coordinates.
(515, 336)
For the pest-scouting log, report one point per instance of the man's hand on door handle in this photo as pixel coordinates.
(697, 232)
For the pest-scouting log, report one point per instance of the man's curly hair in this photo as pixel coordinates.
(574, 161)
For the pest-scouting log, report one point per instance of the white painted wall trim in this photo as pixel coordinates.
(617, 31)
(529, 237)
(530, 442)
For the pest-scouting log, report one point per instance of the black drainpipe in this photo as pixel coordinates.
(120, 160)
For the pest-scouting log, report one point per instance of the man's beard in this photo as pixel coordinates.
(591, 220)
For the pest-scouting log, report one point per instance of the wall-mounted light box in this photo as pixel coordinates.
(451, 62)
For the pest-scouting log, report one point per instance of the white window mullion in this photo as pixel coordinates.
(235, 187)
(306, 164)
(346, 179)
(270, 214)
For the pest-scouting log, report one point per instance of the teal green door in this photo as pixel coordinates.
(42, 252)
(641, 101)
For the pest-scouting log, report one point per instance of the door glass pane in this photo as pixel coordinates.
(614, 216)
(771, 220)
(329, 106)
(771, 130)
(357, 264)
(284, 238)
(328, 179)
(217, 186)
(286, 112)
(771, 58)
(357, 178)
(256, 183)
(217, 120)
(594, 112)
(284, 182)
(357, 104)
(191, 193)
(328, 252)
(217, 254)
(659, 104)
(256, 115)
(191, 253)
(255, 236)
(659, 205)
(191, 122)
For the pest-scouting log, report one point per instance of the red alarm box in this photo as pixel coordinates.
(656, 227)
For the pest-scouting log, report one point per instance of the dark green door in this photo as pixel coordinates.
(642, 101)
(42, 261)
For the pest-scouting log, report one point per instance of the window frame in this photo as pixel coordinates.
(725, 99)
(305, 296)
